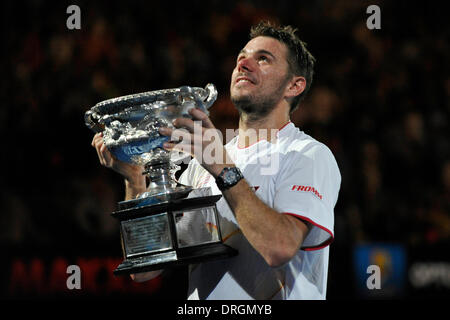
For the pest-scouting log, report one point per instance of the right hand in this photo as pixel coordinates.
(132, 173)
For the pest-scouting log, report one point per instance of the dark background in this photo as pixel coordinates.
(379, 100)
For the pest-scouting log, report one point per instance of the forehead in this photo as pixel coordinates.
(272, 45)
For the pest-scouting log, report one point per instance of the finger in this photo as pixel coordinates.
(106, 155)
(176, 135)
(96, 137)
(185, 123)
(100, 148)
(182, 147)
(165, 131)
(190, 144)
(203, 117)
(168, 145)
(182, 134)
(99, 154)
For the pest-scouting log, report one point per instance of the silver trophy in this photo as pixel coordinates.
(170, 223)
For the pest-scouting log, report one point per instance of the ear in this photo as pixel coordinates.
(296, 86)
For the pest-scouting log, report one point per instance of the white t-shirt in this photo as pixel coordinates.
(295, 175)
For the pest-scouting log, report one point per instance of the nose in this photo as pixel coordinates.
(245, 65)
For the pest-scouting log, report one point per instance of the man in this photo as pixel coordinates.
(280, 220)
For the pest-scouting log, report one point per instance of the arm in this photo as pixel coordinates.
(134, 184)
(277, 237)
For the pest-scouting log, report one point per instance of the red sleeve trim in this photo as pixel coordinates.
(319, 246)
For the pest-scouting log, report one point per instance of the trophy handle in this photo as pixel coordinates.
(212, 95)
(91, 121)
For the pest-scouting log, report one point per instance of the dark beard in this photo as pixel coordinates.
(256, 108)
(253, 109)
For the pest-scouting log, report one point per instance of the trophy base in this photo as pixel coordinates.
(172, 258)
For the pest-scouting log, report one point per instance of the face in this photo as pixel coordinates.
(260, 77)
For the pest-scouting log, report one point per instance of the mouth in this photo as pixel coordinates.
(244, 79)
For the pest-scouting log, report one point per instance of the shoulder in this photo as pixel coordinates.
(297, 143)
(300, 150)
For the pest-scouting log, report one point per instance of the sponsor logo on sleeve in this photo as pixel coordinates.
(307, 189)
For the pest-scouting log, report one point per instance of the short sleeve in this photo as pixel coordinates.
(194, 175)
(189, 175)
(307, 188)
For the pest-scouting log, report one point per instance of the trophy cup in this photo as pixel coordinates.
(169, 224)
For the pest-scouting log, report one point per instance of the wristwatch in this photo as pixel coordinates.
(228, 177)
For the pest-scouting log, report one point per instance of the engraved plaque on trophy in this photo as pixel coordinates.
(169, 224)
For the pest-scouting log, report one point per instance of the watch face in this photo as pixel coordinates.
(229, 176)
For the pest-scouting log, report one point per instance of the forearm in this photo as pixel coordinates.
(275, 236)
(134, 187)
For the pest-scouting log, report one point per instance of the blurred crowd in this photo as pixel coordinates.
(380, 101)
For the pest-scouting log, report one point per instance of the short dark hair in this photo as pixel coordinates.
(300, 60)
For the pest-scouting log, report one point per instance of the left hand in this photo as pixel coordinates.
(199, 138)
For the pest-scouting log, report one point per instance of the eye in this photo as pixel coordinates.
(263, 58)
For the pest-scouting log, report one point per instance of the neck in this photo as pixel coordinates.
(252, 130)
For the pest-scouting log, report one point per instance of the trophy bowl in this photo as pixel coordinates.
(170, 223)
(130, 127)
